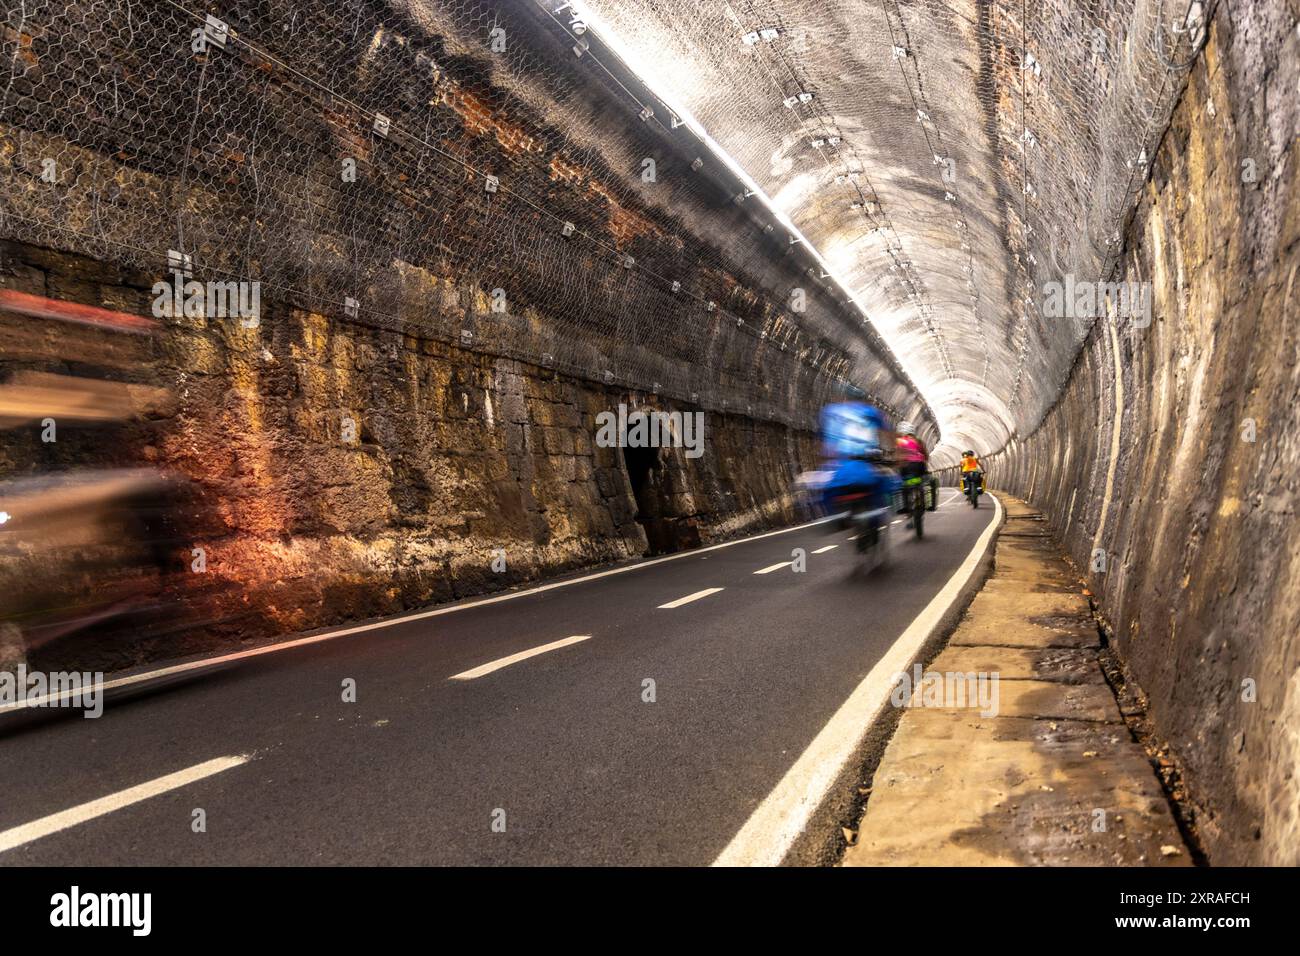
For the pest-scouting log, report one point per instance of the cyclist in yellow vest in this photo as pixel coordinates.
(970, 466)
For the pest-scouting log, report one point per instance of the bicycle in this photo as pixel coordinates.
(873, 529)
(914, 499)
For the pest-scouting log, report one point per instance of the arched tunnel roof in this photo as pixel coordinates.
(948, 158)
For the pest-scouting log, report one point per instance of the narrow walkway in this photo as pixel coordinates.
(1051, 776)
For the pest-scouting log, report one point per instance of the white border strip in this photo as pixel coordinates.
(206, 662)
(773, 827)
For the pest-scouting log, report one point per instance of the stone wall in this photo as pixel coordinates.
(1169, 464)
(459, 457)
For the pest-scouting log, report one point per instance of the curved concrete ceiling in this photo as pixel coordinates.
(948, 158)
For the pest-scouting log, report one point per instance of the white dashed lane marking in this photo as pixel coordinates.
(496, 665)
(774, 567)
(690, 597)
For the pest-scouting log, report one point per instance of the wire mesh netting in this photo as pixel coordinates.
(360, 159)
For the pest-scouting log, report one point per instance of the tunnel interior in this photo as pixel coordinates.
(1062, 235)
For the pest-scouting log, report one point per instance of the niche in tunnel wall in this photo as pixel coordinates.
(652, 487)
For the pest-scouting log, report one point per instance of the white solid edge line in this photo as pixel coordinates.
(774, 567)
(691, 597)
(778, 820)
(174, 669)
(496, 665)
(27, 832)
(829, 547)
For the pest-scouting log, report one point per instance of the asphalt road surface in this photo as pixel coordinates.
(460, 748)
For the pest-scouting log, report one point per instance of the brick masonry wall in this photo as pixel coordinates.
(1196, 524)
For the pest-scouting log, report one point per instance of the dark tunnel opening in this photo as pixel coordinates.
(665, 530)
(640, 462)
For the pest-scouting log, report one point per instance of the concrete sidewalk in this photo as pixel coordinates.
(1054, 776)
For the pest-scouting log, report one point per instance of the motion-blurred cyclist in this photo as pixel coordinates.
(857, 475)
(912, 457)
